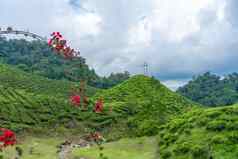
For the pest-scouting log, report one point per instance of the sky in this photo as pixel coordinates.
(178, 39)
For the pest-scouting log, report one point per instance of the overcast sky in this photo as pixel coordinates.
(178, 38)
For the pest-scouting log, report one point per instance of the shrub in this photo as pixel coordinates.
(166, 155)
(181, 149)
(200, 152)
(217, 125)
(233, 137)
(218, 139)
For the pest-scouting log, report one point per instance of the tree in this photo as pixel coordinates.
(209, 89)
(36, 57)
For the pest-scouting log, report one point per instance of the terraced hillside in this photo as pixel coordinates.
(31, 101)
(136, 107)
(201, 134)
(145, 103)
(17, 79)
(20, 110)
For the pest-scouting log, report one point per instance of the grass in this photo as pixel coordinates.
(42, 148)
(138, 148)
(45, 148)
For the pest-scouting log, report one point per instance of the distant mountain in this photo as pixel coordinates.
(201, 134)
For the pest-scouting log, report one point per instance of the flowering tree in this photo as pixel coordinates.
(59, 45)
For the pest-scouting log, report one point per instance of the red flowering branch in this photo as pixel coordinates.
(98, 108)
(59, 45)
(7, 138)
(75, 100)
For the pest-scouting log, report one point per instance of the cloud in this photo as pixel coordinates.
(174, 84)
(177, 38)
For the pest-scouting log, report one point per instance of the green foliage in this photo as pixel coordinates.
(17, 79)
(211, 90)
(200, 134)
(36, 57)
(35, 103)
(20, 110)
(145, 103)
(112, 80)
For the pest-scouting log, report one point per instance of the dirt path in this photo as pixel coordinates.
(66, 148)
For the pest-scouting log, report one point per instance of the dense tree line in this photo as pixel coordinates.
(212, 90)
(36, 57)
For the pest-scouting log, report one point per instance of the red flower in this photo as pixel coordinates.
(68, 52)
(59, 45)
(7, 138)
(99, 106)
(75, 100)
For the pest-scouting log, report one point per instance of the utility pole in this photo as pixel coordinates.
(146, 69)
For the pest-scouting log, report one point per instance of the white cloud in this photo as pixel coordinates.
(175, 84)
(78, 26)
(177, 38)
(141, 34)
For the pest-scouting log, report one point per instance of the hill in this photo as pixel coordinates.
(17, 79)
(36, 57)
(29, 101)
(201, 134)
(212, 90)
(145, 104)
(20, 110)
(33, 102)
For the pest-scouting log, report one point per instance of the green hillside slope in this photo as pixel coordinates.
(201, 134)
(17, 79)
(32, 101)
(20, 110)
(145, 102)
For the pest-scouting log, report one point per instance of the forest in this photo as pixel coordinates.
(212, 90)
(36, 57)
